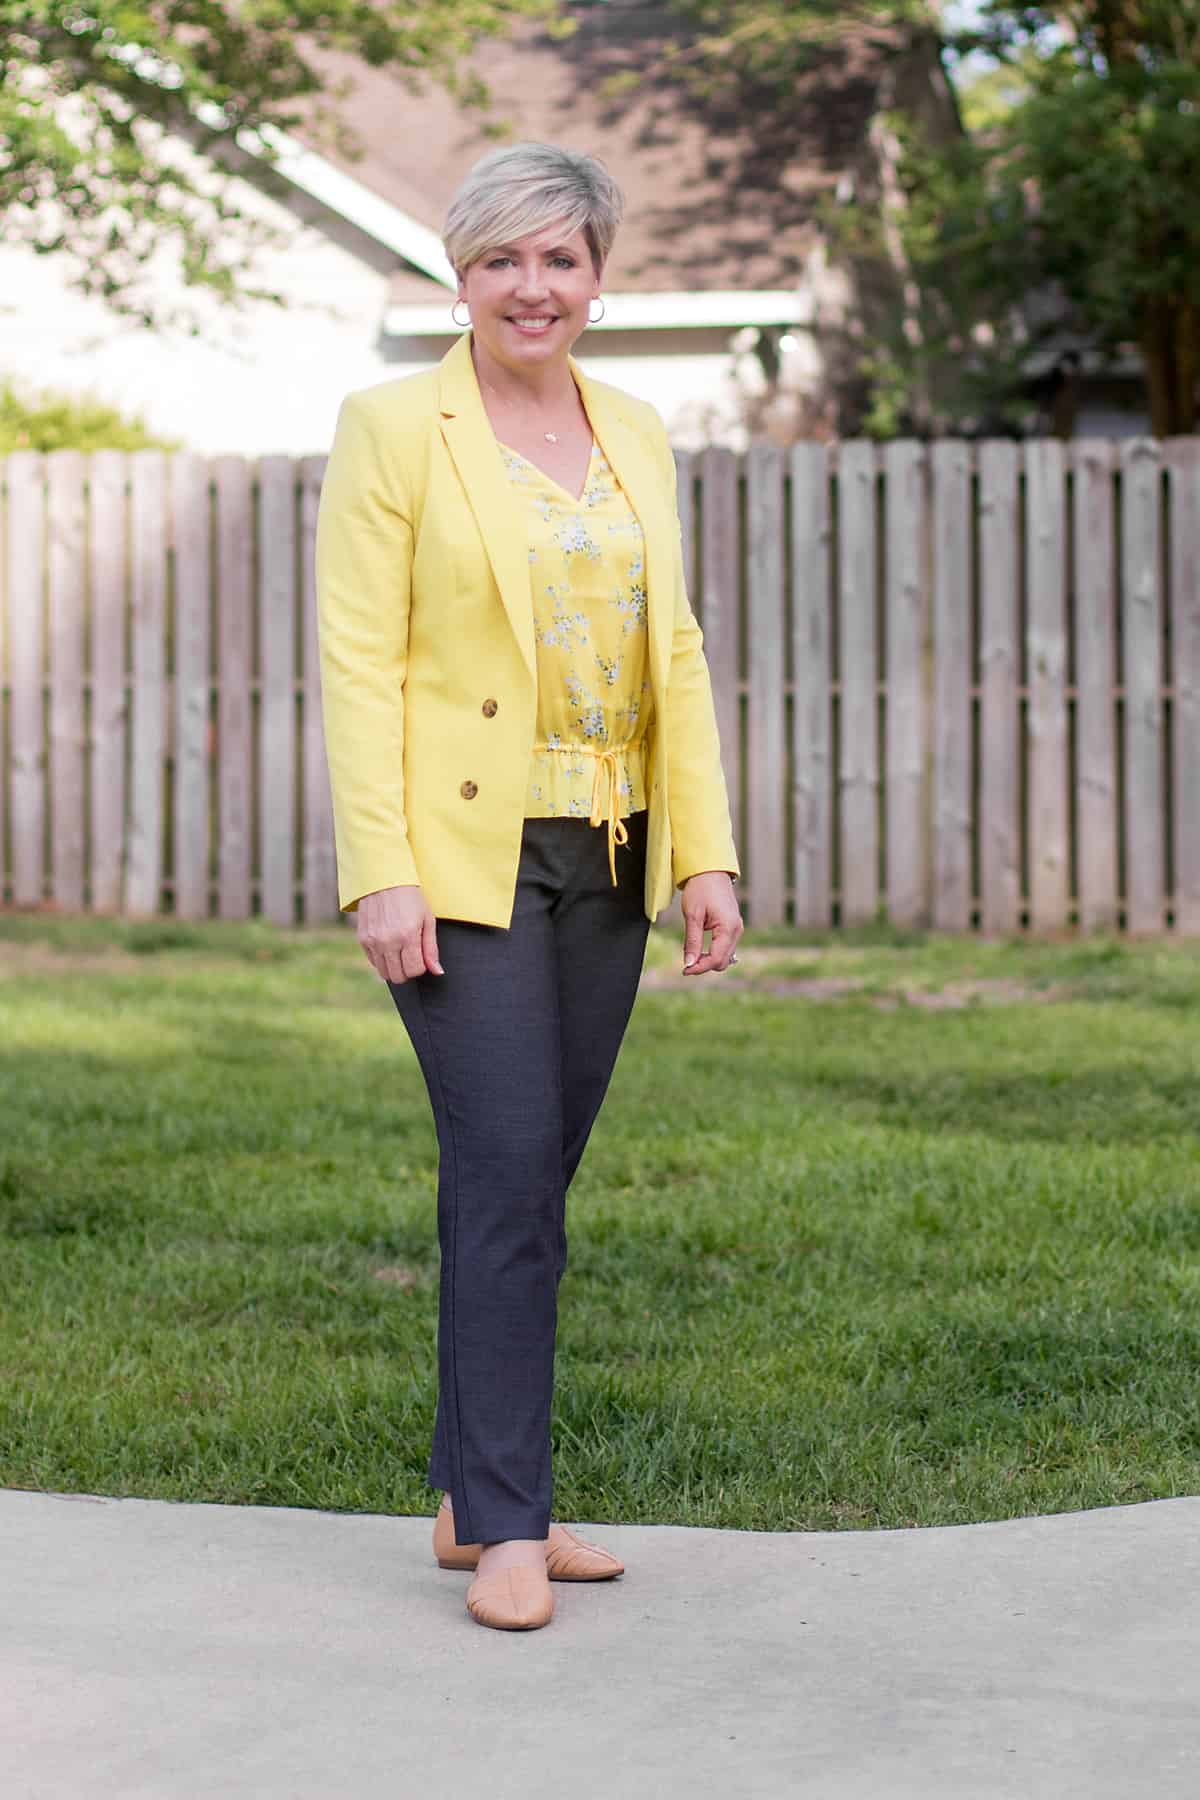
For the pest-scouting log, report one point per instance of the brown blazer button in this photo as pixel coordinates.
(468, 790)
(489, 709)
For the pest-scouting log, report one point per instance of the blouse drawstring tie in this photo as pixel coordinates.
(617, 834)
(606, 760)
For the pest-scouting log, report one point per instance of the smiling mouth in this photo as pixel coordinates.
(532, 321)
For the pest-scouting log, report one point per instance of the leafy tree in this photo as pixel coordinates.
(724, 43)
(91, 91)
(48, 421)
(1067, 201)
(1073, 205)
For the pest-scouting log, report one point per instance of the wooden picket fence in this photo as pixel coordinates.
(957, 684)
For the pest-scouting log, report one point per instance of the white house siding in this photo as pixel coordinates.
(263, 379)
(696, 394)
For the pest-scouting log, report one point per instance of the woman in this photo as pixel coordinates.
(524, 763)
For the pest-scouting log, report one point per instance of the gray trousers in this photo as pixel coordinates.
(517, 1042)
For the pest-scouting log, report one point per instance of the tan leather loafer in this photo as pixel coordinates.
(568, 1558)
(517, 1599)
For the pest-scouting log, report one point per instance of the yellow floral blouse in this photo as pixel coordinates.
(588, 580)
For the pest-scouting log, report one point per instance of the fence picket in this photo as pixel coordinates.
(277, 738)
(812, 661)
(999, 670)
(26, 657)
(1095, 684)
(858, 760)
(766, 718)
(190, 519)
(951, 688)
(905, 723)
(65, 628)
(1142, 639)
(107, 484)
(1182, 459)
(1046, 653)
(235, 642)
(147, 726)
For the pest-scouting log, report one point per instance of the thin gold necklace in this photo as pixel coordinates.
(551, 437)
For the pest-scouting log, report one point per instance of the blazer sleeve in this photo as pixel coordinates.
(364, 545)
(697, 798)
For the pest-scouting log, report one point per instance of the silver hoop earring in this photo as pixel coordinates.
(599, 315)
(454, 314)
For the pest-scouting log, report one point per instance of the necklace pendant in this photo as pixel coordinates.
(551, 437)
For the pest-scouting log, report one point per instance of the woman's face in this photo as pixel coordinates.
(529, 299)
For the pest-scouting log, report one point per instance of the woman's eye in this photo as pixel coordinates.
(562, 262)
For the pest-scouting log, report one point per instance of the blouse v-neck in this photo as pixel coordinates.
(575, 499)
(588, 595)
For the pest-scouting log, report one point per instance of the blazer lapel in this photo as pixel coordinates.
(472, 444)
(634, 466)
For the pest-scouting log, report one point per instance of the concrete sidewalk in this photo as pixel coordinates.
(158, 1651)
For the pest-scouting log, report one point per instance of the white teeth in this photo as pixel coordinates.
(533, 324)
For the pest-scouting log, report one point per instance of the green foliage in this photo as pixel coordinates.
(1114, 155)
(951, 359)
(739, 43)
(47, 421)
(1102, 33)
(90, 94)
(987, 100)
(1072, 203)
(1068, 201)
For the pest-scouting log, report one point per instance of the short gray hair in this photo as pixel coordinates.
(522, 188)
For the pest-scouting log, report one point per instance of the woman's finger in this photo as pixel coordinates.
(724, 936)
(386, 963)
(693, 937)
(374, 953)
(412, 959)
(704, 959)
(390, 961)
(429, 946)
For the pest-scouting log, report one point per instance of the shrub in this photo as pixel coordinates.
(50, 421)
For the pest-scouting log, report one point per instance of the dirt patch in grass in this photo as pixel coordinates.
(757, 973)
(957, 994)
(18, 959)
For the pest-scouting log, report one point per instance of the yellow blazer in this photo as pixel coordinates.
(428, 676)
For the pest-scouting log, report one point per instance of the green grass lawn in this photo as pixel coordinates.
(875, 1230)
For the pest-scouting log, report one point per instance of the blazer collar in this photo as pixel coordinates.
(472, 444)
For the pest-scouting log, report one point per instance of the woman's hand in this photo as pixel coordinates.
(709, 904)
(398, 934)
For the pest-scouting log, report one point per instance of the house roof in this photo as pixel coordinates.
(720, 194)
